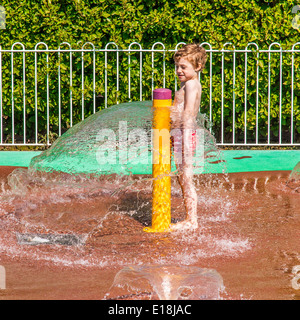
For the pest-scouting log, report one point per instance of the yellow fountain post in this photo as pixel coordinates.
(161, 162)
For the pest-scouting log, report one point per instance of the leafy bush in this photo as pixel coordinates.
(147, 22)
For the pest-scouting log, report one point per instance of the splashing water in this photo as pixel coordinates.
(166, 283)
(67, 189)
(244, 231)
(116, 140)
(110, 222)
(66, 192)
(294, 178)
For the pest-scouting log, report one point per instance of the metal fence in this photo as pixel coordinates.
(250, 96)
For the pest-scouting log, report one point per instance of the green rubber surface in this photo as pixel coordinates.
(17, 158)
(261, 160)
(234, 160)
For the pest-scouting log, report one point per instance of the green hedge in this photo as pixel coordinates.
(147, 21)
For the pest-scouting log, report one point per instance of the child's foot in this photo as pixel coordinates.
(189, 224)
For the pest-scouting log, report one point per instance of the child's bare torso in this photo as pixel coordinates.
(178, 107)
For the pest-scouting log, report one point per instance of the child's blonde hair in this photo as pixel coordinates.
(195, 54)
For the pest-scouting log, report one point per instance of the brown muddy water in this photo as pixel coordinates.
(249, 232)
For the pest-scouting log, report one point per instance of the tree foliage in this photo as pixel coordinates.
(77, 22)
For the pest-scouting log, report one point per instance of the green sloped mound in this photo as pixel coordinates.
(113, 140)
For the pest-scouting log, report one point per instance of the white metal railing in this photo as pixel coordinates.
(14, 78)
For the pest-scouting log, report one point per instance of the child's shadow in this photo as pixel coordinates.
(136, 206)
(139, 207)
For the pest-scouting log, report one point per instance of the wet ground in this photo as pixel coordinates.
(249, 232)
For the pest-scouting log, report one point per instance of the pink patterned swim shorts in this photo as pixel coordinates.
(176, 142)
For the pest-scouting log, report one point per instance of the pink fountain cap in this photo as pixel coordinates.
(162, 94)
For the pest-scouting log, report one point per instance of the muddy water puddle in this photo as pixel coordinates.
(249, 231)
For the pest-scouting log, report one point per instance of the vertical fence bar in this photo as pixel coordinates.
(47, 89)
(118, 89)
(71, 88)
(35, 94)
(82, 79)
(175, 74)
(245, 94)
(152, 65)
(94, 80)
(210, 83)
(59, 87)
(222, 99)
(292, 93)
(105, 66)
(269, 92)
(12, 97)
(59, 94)
(257, 89)
(105, 76)
(164, 67)
(257, 95)
(129, 69)
(210, 89)
(233, 97)
(141, 73)
(82, 83)
(12, 92)
(269, 96)
(129, 75)
(280, 98)
(24, 97)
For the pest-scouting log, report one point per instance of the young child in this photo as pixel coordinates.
(189, 61)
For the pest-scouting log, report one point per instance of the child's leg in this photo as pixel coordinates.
(189, 194)
(185, 179)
